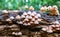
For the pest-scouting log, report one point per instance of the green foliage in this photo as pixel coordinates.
(15, 4)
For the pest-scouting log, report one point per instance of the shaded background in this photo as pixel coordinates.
(16, 4)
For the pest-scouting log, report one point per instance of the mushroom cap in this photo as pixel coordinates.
(44, 29)
(38, 15)
(34, 12)
(11, 17)
(29, 12)
(56, 22)
(55, 7)
(29, 24)
(31, 8)
(50, 7)
(57, 25)
(22, 16)
(42, 8)
(8, 19)
(24, 13)
(45, 7)
(17, 17)
(26, 19)
(49, 31)
(19, 33)
(53, 25)
(4, 11)
(13, 33)
(30, 17)
(20, 22)
(33, 19)
(36, 22)
(25, 24)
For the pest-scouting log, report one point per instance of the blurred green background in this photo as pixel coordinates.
(37, 4)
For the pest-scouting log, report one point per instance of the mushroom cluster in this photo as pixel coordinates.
(53, 10)
(43, 9)
(52, 28)
(30, 18)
